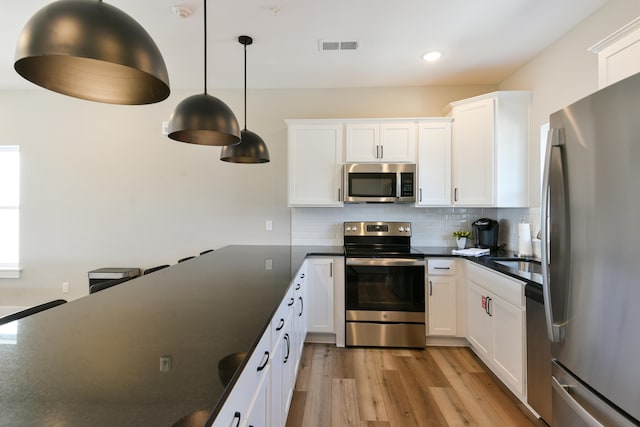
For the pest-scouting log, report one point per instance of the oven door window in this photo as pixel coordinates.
(372, 184)
(385, 288)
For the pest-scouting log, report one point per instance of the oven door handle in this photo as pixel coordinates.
(386, 262)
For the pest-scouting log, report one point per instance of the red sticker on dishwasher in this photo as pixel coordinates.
(484, 302)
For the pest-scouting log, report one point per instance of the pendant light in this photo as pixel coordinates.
(252, 149)
(94, 51)
(204, 119)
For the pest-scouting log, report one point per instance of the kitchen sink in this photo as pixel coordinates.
(527, 268)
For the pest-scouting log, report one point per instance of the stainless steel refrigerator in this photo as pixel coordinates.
(591, 220)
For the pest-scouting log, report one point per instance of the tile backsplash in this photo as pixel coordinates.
(431, 226)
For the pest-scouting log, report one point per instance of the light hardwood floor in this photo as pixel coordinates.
(365, 387)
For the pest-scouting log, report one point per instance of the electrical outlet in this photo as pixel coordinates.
(165, 363)
(268, 264)
(268, 225)
(65, 287)
(165, 127)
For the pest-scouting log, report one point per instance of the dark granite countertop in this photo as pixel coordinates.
(533, 287)
(95, 361)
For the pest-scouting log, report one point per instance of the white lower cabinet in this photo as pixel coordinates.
(325, 292)
(496, 324)
(247, 398)
(259, 411)
(320, 286)
(441, 297)
(262, 394)
(281, 372)
(300, 315)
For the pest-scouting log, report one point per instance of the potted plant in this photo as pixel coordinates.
(461, 238)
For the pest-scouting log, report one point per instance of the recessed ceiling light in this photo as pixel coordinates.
(432, 56)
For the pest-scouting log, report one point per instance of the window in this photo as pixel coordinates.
(9, 210)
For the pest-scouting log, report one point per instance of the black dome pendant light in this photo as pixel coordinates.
(252, 149)
(204, 119)
(94, 51)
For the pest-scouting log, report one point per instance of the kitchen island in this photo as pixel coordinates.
(145, 352)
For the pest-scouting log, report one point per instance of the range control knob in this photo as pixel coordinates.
(401, 229)
(407, 229)
(348, 228)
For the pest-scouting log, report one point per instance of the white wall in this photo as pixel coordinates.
(101, 187)
(565, 72)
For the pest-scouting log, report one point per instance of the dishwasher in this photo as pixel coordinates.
(538, 355)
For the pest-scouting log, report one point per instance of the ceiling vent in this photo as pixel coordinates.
(337, 46)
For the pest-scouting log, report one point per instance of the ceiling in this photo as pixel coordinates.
(483, 41)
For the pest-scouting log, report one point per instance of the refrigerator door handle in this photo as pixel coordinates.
(555, 235)
(563, 392)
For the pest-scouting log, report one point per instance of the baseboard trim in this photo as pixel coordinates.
(446, 342)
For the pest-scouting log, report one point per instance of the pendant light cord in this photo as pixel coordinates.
(205, 46)
(245, 87)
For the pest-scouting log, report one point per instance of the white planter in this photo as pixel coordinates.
(461, 242)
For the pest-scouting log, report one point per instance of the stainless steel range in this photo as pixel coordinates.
(384, 286)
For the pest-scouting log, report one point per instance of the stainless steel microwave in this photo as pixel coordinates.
(380, 183)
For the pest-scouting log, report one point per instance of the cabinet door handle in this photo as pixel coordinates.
(301, 306)
(339, 195)
(382, 151)
(331, 269)
(288, 341)
(377, 151)
(420, 192)
(236, 417)
(265, 359)
(281, 325)
(291, 302)
(455, 194)
(430, 288)
(489, 311)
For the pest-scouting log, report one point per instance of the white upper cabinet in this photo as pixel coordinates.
(434, 162)
(315, 163)
(386, 141)
(618, 54)
(490, 150)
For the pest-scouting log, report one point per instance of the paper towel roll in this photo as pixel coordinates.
(524, 239)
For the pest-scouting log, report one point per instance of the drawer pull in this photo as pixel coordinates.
(442, 268)
(236, 417)
(291, 302)
(266, 360)
(281, 325)
(297, 286)
(288, 340)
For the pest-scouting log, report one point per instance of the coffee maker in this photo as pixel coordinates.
(485, 232)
